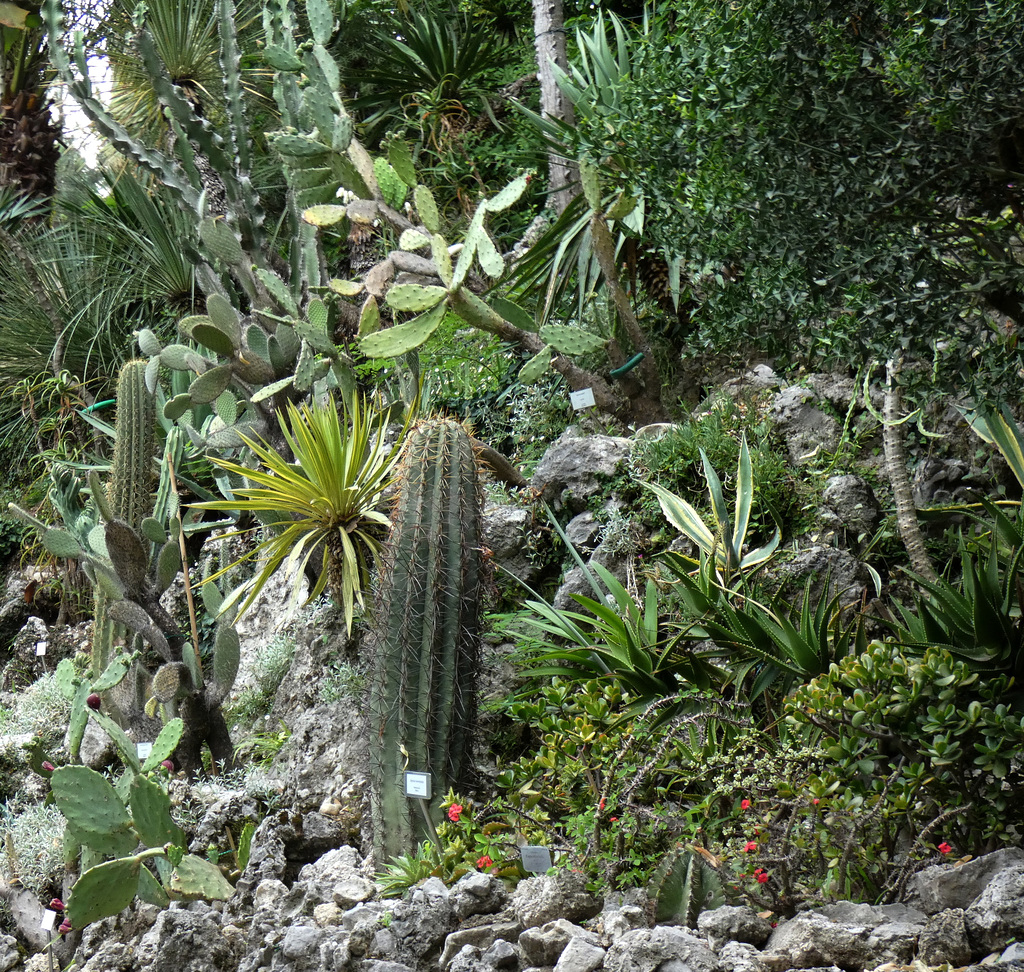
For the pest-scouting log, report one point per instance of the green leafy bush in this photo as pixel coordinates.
(922, 737)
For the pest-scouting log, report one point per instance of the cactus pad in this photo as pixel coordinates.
(536, 366)
(571, 340)
(403, 337)
(415, 297)
(427, 209)
(103, 891)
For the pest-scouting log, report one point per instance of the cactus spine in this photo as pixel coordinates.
(422, 700)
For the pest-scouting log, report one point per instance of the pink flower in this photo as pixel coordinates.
(484, 861)
(744, 804)
(65, 927)
(944, 848)
(48, 766)
(454, 812)
(750, 847)
(56, 904)
(168, 765)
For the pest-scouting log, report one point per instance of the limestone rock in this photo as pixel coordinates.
(544, 944)
(997, 915)
(944, 886)
(574, 467)
(507, 534)
(807, 429)
(729, 924)
(661, 948)
(538, 900)
(944, 939)
(477, 893)
(580, 955)
(849, 506)
(483, 937)
(185, 941)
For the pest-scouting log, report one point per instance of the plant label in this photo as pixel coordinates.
(40, 647)
(144, 750)
(417, 785)
(48, 919)
(583, 398)
(535, 858)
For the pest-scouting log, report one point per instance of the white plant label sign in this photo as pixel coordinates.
(584, 398)
(535, 858)
(417, 785)
(144, 749)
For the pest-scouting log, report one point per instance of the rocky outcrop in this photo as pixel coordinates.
(329, 920)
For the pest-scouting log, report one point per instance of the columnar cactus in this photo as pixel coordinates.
(425, 644)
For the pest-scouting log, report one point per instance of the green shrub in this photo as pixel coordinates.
(919, 738)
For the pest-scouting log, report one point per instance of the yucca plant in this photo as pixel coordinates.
(724, 540)
(327, 496)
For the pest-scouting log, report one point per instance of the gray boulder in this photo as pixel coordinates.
(662, 948)
(185, 941)
(849, 507)
(581, 954)
(538, 900)
(806, 428)
(997, 915)
(854, 937)
(944, 939)
(944, 886)
(507, 534)
(480, 936)
(575, 467)
(544, 945)
(729, 924)
(477, 893)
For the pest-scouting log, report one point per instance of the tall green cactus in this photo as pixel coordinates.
(422, 703)
(128, 496)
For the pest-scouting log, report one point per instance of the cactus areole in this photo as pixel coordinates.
(425, 639)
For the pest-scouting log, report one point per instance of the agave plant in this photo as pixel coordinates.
(724, 540)
(327, 495)
(777, 644)
(619, 638)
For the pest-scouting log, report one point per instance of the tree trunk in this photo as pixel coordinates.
(896, 467)
(549, 42)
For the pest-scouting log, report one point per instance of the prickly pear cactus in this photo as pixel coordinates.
(425, 637)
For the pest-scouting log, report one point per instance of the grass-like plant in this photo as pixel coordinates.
(329, 492)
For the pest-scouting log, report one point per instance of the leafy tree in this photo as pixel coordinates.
(848, 176)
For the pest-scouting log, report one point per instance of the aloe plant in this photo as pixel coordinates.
(724, 539)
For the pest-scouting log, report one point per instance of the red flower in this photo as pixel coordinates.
(762, 876)
(454, 812)
(56, 904)
(944, 848)
(65, 927)
(744, 804)
(600, 805)
(816, 801)
(750, 847)
(612, 819)
(484, 861)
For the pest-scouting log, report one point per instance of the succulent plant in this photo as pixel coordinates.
(425, 636)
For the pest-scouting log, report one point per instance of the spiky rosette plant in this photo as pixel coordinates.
(327, 494)
(422, 701)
